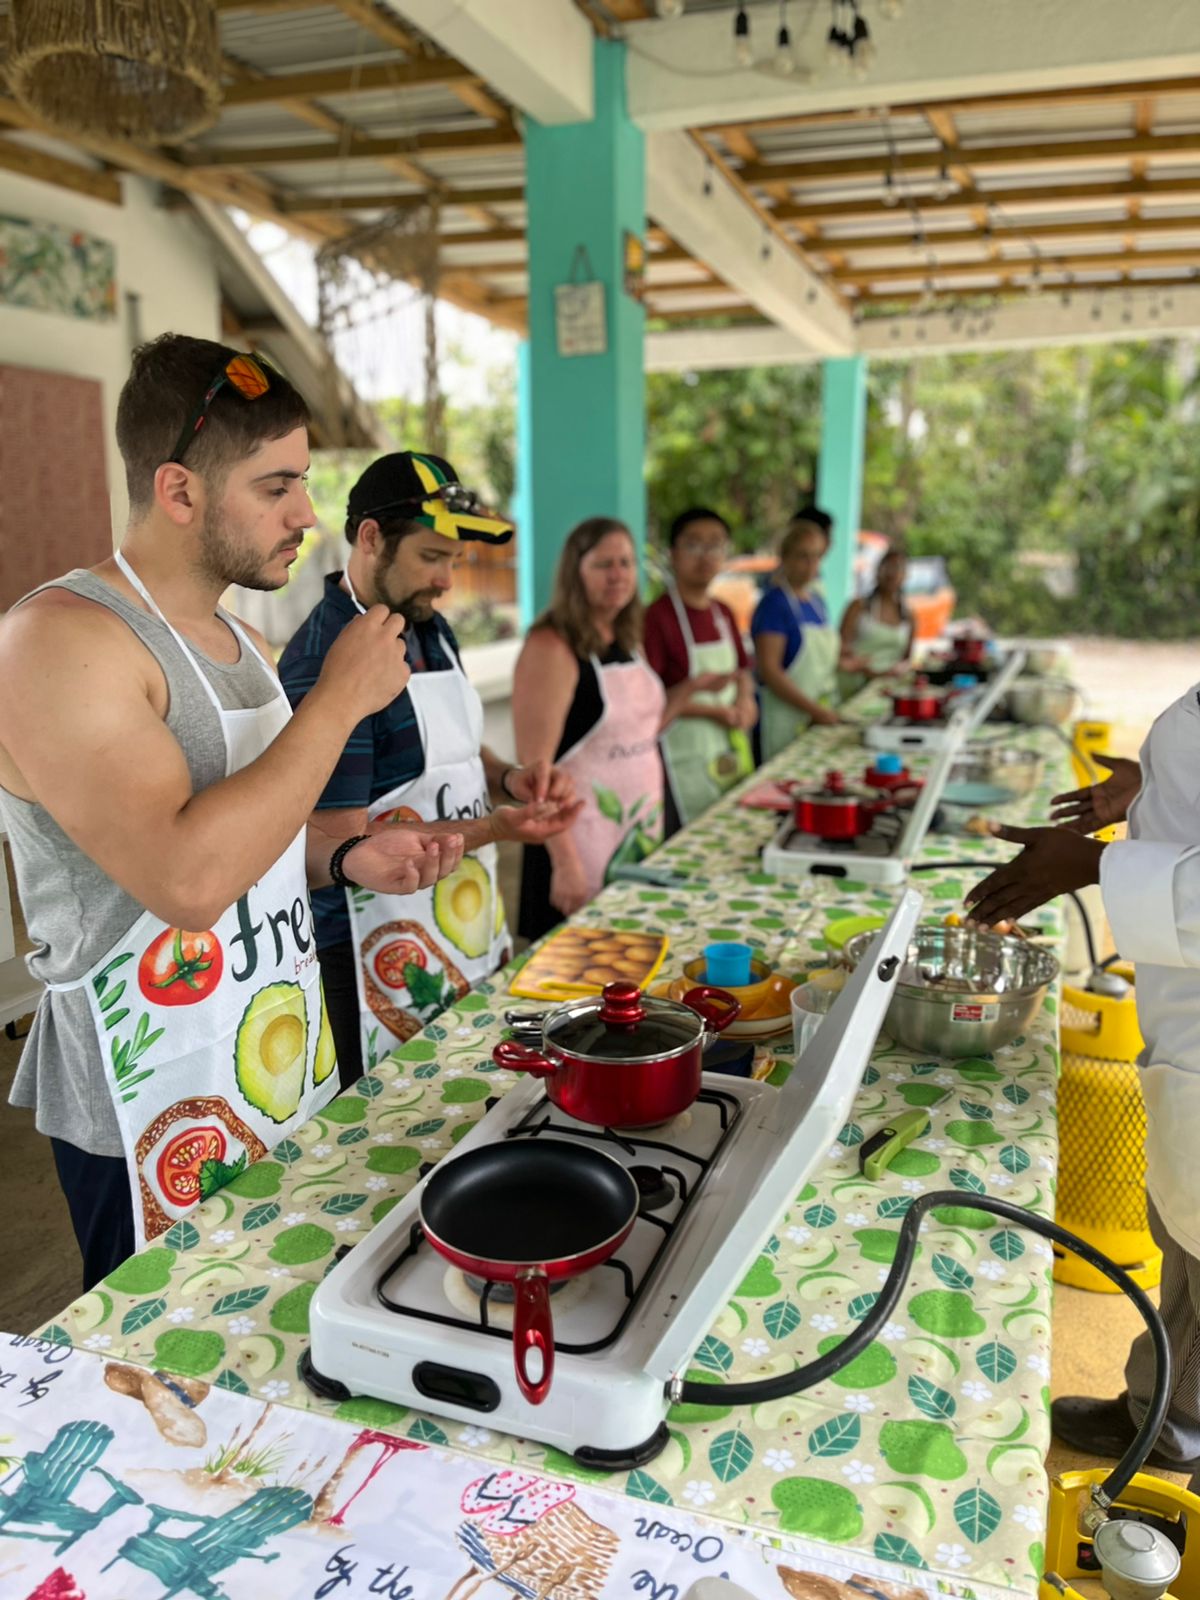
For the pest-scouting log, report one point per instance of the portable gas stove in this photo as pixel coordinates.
(394, 1322)
(882, 854)
(970, 708)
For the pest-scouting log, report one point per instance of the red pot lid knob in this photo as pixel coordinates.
(835, 782)
(621, 1005)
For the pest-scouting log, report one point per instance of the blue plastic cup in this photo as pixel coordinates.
(727, 965)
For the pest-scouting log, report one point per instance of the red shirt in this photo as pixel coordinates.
(665, 646)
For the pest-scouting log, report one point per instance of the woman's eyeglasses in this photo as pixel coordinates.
(249, 376)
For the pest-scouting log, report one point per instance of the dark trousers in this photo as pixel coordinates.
(97, 1191)
(341, 1007)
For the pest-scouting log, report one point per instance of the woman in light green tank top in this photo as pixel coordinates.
(877, 633)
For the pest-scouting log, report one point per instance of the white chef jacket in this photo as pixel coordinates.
(1151, 888)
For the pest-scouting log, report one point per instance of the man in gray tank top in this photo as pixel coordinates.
(148, 778)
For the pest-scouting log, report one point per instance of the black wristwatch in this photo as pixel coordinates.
(336, 872)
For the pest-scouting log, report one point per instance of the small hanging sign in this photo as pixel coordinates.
(634, 255)
(579, 310)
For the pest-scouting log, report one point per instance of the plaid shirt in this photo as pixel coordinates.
(384, 750)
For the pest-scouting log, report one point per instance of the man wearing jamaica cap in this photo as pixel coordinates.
(391, 963)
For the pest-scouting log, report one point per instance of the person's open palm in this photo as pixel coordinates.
(534, 824)
(1099, 805)
(403, 860)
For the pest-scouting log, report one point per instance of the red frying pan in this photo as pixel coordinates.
(529, 1212)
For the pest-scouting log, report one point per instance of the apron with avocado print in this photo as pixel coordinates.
(813, 672)
(216, 1041)
(617, 771)
(418, 953)
(703, 759)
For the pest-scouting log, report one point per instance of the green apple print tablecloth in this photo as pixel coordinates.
(926, 1451)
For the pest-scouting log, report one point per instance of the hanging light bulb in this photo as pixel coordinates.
(927, 300)
(708, 179)
(785, 61)
(890, 197)
(1097, 309)
(945, 186)
(668, 9)
(891, 9)
(1035, 279)
(862, 51)
(743, 50)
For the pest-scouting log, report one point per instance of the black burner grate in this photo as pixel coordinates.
(681, 1168)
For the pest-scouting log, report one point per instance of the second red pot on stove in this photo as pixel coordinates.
(918, 704)
(623, 1059)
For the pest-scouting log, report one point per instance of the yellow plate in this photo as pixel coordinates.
(838, 934)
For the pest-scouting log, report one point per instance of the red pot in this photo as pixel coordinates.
(836, 812)
(970, 651)
(918, 704)
(623, 1059)
(894, 783)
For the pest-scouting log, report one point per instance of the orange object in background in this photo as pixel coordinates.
(927, 590)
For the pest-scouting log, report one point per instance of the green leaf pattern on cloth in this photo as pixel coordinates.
(932, 1456)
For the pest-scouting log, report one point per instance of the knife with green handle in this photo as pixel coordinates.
(876, 1154)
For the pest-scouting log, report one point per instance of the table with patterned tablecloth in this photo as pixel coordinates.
(926, 1451)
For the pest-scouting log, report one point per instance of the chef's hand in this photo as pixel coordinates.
(709, 682)
(533, 824)
(568, 885)
(366, 668)
(825, 718)
(1052, 861)
(1099, 805)
(401, 860)
(746, 707)
(540, 781)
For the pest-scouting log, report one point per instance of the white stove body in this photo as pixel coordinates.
(608, 1406)
(973, 708)
(791, 854)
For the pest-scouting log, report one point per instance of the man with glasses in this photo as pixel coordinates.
(706, 749)
(419, 761)
(156, 791)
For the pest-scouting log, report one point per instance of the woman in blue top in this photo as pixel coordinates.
(795, 647)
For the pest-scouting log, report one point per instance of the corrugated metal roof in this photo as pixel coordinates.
(290, 41)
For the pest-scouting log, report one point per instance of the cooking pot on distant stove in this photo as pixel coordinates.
(621, 1059)
(837, 811)
(919, 703)
(969, 650)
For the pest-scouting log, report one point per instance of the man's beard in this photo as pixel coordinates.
(225, 560)
(415, 607)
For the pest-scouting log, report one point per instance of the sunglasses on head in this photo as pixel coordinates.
(463, 502)
(249, 376)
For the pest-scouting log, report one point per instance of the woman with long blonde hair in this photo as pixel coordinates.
(585, 697)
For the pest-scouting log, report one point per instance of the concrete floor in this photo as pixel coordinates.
(39, 1265)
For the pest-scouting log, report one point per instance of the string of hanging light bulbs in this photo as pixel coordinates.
(849, 42)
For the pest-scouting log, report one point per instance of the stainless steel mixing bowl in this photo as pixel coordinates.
(1006, 767)
(963, 991)
(1041, 700)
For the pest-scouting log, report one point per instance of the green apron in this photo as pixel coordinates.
(701, 758)
(813, 672)
(882, 645)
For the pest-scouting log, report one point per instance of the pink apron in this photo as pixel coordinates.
(618, 773)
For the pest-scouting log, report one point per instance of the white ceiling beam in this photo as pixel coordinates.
(722, 230)
(933, 52)
(1018, 325)
(536, 53)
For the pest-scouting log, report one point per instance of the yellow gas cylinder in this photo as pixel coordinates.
(1102, 1132)
(1174, 1512)
(1090, 738)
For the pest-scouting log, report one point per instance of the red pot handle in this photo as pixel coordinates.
(717, 1006)
(518, 1057)
(533, 1330)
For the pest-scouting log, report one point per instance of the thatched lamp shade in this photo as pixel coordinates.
(147, 70)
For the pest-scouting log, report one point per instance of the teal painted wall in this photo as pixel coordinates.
(582, 428)
(840, 470)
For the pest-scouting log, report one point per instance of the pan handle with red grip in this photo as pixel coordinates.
(533, 1330)
(717, 1006)
(522, 1058)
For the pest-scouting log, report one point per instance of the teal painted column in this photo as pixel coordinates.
(840, 470)
(583, 450)
(523, 491)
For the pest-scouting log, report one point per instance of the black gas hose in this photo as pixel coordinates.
(817, 1371)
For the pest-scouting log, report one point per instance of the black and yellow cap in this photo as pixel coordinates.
(424, 489)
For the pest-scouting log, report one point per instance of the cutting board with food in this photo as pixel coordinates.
(577, 961)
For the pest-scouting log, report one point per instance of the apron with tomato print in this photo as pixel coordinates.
(617, 772)
(216, 1042)
(418, 953)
